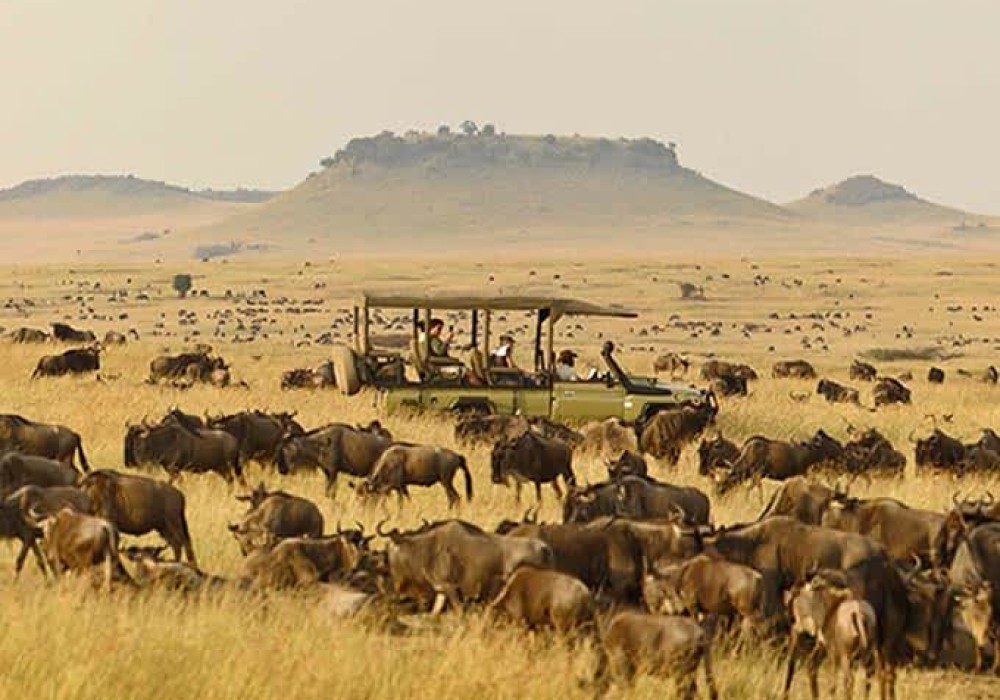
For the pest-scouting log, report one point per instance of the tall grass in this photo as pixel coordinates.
(61, 640)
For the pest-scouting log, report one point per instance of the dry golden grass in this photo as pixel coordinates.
(62, 641)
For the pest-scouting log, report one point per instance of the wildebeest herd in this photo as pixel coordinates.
(637, 564)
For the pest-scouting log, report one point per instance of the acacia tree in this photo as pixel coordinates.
(469, 128)
(182, 285)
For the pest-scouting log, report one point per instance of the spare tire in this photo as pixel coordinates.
(345, 370)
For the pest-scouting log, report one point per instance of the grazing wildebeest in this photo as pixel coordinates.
(41, 439)
(863, 371)
(717, 369)
(75, 361)
(935, 375)
(402, 466)
(17, 470)
(661, 645)
(871, 453)
(843, 626)
(137, 504)
(668, 431)
(644, 499)
(305, 378)
(77, 542)
(259, 434)
(545, 598)
(193, 366)
(178, 449)
(706, 586)
(800, 499)
(761, 458)
(456, 562)
(837, 393)
(49, 499)
(275, 515)
(889, 391)
(67, 334)
(334, 449)
(151, 571)
(476, 428)
(533, 458)
(717, 452)
(793, 369)
(673, 363)
(114, 338)
(940, 451)
(729, 385)
(15, 524)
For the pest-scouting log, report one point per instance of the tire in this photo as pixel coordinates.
(345, 370)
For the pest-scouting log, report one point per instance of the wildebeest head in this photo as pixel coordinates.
(504, 451)
(716, 452)
(825, 448)
(588, 503)
(255, 497)
(939, 449)
(628, 463)
(376, 428)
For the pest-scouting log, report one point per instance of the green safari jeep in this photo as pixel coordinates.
(421, 379)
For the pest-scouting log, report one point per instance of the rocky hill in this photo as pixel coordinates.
(450, 188)
(865, 199)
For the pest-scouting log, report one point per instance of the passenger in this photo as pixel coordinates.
(440, 341)
(566, 370)
(503, 356)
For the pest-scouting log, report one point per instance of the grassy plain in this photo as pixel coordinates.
(60, 641)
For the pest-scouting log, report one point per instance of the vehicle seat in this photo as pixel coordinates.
(477, 366)
(417, 359)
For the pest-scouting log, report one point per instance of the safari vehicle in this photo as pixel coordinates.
(419, 380)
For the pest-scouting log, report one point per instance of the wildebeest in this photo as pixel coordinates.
(843, 626)
(644, 499)
(50, 499)
(151, 571)
(545, 598)
(863, 371)
(457, 562)
(17, 470)
(871, 453)
(837, 393)
(67, 334)
(193, 366)
(533, 458)
(716, 369)
(14, 524)
(75, 361)
(935, 375)
(801, 499)
(608, 438)
(476, 428)
(706, 586)
(114, 338)
(889, 391)
(334, 449)
(29, 335)
(306, 378)
(905, 532)
(298, 562)
(940, 451)
(761, 457)
(178, 449)
(673, 363)
(275, 515)
(793, 369)
(628, 463)
(77, 542)
(668, 431)
(401, 466)
(41, 439)
(717, 452)
(259, 434)
(137, 504)
(661, 645)
(729, 385)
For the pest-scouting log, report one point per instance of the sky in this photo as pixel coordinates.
(772, 97)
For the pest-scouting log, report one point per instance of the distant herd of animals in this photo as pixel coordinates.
(636, 563)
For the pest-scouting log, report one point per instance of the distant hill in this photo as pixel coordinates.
(96, 196)
(447, 188)
(865, 199)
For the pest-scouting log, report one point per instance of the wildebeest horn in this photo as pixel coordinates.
(339, 531)
(798, 396)
(991, 499)
(361, 528)
(390, 534)
(910, 437)
(954, 499)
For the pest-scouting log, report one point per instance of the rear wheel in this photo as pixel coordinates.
(345, 370)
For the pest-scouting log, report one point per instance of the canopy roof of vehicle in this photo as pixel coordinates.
(494, 302)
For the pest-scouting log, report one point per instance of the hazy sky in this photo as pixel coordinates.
(774, 97)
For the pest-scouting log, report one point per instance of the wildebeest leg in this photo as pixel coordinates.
(555, 487)
(686, 687)
(453, 498)
(32, 545)
(331, 482)
(517, 491)
(538, 491)
(790, 667)
(814, 660)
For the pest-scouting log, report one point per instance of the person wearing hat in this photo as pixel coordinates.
(503, 356)
(565, 372)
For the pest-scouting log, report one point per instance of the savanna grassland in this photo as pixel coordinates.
(64, 641)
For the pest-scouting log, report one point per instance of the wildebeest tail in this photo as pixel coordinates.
(468, 477)
(79, 453)
(859, 629)
(569, 476)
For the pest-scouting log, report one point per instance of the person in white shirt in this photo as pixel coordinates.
(503, 356)
(565, 372)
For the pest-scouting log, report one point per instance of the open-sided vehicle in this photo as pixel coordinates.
(464, 381)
